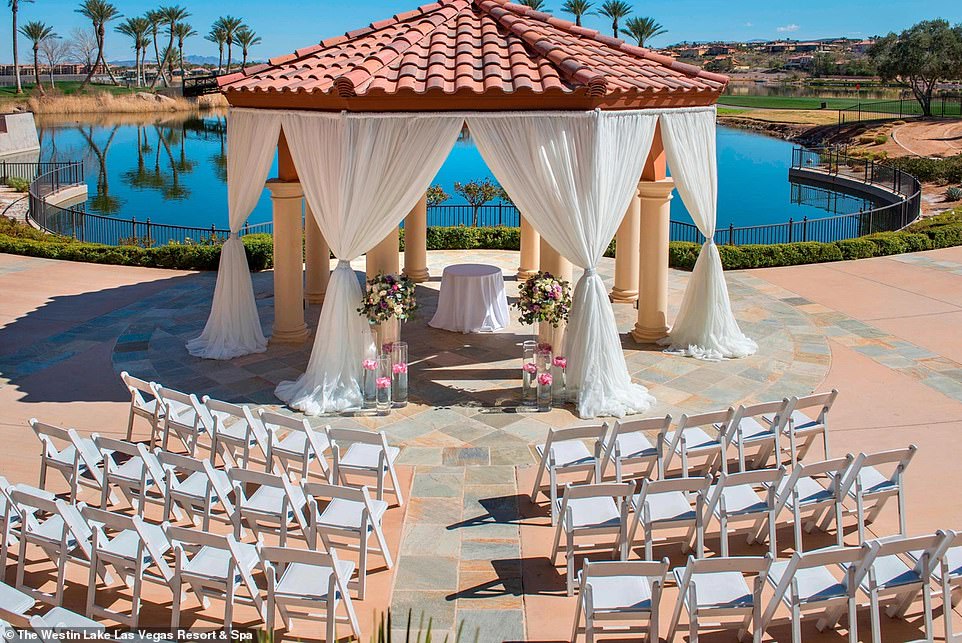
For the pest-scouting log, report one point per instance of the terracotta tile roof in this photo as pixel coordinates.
(477, 48)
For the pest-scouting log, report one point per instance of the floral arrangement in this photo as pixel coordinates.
(388, 297)
(544, 298)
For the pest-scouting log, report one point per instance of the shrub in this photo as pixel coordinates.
(856, 248)
(881, 139)
(947, 170)
(953, 194)
(18, 184)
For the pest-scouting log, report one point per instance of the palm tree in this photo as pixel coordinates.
(643, 29)
(155, 19)
(99, 12)
(170, 15)
(218, 35)
(231, 26)
(616, 10)
(36, 32)
(184, 31)
(537, 5)
(15, 9)
(136, 29)
(246, 38)
(577, 8)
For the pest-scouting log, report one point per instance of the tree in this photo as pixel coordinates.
(218, 36)
(136, 29)
(246, 38)
(616, 10)
(184, 31)
(643, 29)
(55, 51)
(36, 32)
(477, 193)
(577, 8)
(537, 5)
(15, 10)
(99, 12)
(82, 47)
(170, 16)
(436, 195)
(155, 19)
(231, 25)
(920, 57)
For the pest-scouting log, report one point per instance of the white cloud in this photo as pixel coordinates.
(787, 28)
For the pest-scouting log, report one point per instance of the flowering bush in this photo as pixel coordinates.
(544, 298)
(388, 297)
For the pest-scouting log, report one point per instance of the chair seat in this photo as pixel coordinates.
(695, 440)
(148, 407)
(126, 542)
(620, 593)
(62, 618)
(51, 530)
(809, 491)
(311, 582)
(718, 590)
(752, 431)
(213, 563)
(740, 500)
(65, 457)
(366, 456)
(873, 482)
(569, 453)
(814, 584)
(195, 485)
(13, 600)
(270, 500)
(635, 445)
(181, 413)
(671, 506)
(346, 514)
(294, 443)
(131, 471)
(236, 431)
(801, 422)
(592, 512)
(892, 572)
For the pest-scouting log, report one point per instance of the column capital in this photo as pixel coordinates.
(656, 190)
(281, 189)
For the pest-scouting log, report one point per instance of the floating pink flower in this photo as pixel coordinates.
(369, 364)
(560, 361)
(544, 346)
(383, 382)
(400, 367)
(530, 368)
(545, 379)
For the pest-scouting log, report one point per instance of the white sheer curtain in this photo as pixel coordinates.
(573, 175)
(705, 326)
(361, 174)
(233, 327)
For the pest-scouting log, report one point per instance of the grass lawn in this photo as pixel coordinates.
(786, 102)
(66, 87)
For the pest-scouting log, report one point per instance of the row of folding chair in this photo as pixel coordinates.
(19, 610)
(815, 494)
(829, 582)
(265, 439)
(756, 430)
(210, 565)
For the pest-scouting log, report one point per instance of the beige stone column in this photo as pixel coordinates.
(652, 323)
(385, 258)
(625, 289)
(530, 250)
(416, 242)
(557, 265)
(287, 199)
(317, 259)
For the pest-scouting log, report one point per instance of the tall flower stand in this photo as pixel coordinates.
(553, 337)
(385, 334)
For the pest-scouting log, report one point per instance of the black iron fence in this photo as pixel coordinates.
(879, 110)
(29, 171)
(501, 214)
(200, 85)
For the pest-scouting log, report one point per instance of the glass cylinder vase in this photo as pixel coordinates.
(369, 382)
(529, 371)
(559, 368)
(383, 384)
(543, 358)
(399, 372)
(544, 391)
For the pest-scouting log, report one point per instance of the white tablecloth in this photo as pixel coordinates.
(472, 299)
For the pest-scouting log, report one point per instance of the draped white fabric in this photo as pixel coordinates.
(573, 175)
(233, 327)
(361, 175)
(705, 326)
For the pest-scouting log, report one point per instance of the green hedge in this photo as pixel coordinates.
(947, 170)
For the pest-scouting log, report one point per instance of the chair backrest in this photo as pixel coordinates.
(241, 413)
(138, 389)
(30, 501)
(240, 478)
(276, 559)
(756, 565)
(202, 415)
(175, 463)
(620, 491)
(579, 432)
(54, 438)
(623, 426)
(652, 569)
(697, 485)
(340, 435)
(778, 410)
(925, 551)
(897, 459)
(769, 478)
(717, 420)
(277, 423)
(821, 401)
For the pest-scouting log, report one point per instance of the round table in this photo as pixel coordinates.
(472, 299)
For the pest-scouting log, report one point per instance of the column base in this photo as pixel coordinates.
(619, 296)
(295, 336)
(524, 275)
(644, 335)
(417, 276)
(314, 298)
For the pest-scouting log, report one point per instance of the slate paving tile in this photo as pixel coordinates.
(427, 573)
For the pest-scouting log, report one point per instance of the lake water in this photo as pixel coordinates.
(172, 169)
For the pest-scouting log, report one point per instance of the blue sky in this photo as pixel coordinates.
(285, 26)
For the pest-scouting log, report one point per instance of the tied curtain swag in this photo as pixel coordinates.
(361, 175)
(233, 327)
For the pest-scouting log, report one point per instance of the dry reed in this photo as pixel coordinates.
(104, 102)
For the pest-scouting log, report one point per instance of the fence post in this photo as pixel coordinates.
(900, 109)
(731, 234)
(790, 222)
(133, 229)
(213, 233)
(805, 228)
(148, 230)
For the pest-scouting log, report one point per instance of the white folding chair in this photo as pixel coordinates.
(196, 487)
(588, 511)
(10, 517)
(74, 456)
(802, 428)
(669, 505)
(759, 427)
(299, 581)
(185, 417)
(948, 576)
(870, 485)
(716, 588)
(628, 444)
(563, 452)
(14, 606)
(267, 502)
(822, 579)
(746, 496)
(294, 444)
(689, 440)
(50, 627)
(346, 518)
(133, 469)
(816, 488)
(238, 436)
(213, 566)
(364, 453)
(135, 549)
(622, 593)
(143, 404)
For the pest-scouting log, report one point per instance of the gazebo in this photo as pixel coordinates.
(579, 128)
